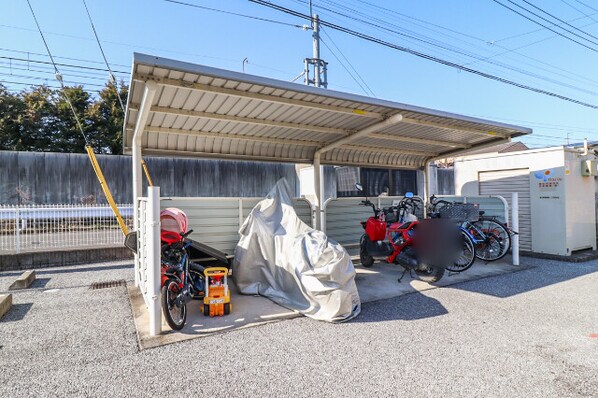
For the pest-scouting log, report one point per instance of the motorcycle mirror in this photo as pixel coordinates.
(409, 194)
(358, 187)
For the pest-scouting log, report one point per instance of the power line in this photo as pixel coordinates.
(546, 27)
(403, 17)
(58, 76)
(59, 64)
(112, 78)
(560, 20)
(425, 56)
(586, 5)
(235, 14)
(45, 78)
(350, 65)
(451, 49)
(56, 56)
(344, 67)
(579, 11)
(17, 67)
(36, 85)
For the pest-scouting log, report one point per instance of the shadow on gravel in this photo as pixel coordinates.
(86, 269)
(69, 269)
(507, 285)
(17, 312)
(40, 283)
(409, 307)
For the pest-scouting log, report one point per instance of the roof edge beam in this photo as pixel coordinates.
(414, 140)
(257, 96)
(248, 120)
(455, 128)
(394, 119)
(453, 154)
(366, 148)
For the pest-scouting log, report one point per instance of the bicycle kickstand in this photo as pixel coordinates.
(403, 274)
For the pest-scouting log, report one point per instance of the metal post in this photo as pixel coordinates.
(17, 230)
(515, 226)
(144, 108)
(318, 189)
(426, 186)
(316, 49)
(153, 259)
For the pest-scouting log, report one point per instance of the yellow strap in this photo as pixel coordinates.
(146, 171)
(98, 171)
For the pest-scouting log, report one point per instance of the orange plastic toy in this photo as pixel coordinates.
(216, 302)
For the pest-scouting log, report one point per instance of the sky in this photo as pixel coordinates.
(482, 35)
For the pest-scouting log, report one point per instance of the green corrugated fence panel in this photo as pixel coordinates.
(216, 221)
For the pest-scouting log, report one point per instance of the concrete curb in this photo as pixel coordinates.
(23, 281)
(5, 304)
(23, 261)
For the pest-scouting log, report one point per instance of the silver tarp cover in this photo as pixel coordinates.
(294, 265)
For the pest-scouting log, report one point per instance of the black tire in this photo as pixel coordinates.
(175, 316)
(364, 257)
(466, 257)
(429, 273)
(494, 239)
(226, 308)
(206, 310)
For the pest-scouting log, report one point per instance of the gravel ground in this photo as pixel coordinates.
(520, 334)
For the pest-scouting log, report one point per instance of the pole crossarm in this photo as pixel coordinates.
(251, 95)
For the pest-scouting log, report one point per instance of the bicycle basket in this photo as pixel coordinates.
(461, 212)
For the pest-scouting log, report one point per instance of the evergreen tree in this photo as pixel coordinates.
(40, 119)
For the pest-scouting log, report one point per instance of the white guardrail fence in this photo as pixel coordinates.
(343, 215)
(34, 228)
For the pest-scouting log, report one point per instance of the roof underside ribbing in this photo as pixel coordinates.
(200, 111)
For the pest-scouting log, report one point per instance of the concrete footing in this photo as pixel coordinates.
(5, 304)
(23, 281)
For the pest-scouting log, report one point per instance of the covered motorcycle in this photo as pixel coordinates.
(294, 265)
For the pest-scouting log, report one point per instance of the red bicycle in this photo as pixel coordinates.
(182, 280)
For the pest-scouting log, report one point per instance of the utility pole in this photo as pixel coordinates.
(320, 79)
(320, 67)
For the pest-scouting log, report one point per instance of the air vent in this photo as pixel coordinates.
(106, 285)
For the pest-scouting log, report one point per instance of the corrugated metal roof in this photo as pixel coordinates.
(201, 111)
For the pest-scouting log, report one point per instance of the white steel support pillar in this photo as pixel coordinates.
(153, 260)
(319, 192)
(515, 226)
(427, 188)
(142, 116)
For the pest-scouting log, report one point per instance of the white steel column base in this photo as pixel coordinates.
(153, 260)
(515, 226)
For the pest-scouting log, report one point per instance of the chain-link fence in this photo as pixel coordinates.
(29, 228)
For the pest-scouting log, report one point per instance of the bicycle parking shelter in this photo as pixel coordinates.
(179, 109)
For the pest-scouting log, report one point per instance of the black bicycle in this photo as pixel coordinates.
(491, 237)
